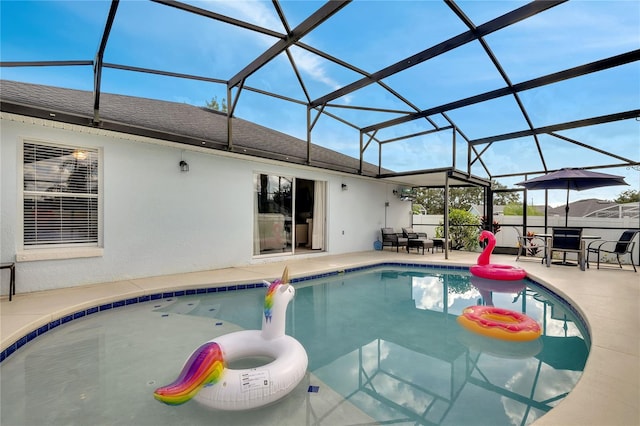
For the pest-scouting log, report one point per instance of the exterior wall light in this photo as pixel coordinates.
(184, 166)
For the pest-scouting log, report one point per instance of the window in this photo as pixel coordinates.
(61, 202)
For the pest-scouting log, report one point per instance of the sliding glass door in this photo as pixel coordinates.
(273, 210)
(289, 215)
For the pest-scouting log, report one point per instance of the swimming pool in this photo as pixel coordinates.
(383, 346)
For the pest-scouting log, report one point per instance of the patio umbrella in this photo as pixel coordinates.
(576, 179)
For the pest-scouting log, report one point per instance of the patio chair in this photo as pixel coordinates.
(417, 240)
(566, 240)
(391, 238)
(623, 245)
(530, 245)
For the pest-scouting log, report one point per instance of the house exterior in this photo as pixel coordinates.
(581, 208)
(137, 210)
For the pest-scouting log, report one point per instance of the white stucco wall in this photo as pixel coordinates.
(160, 221)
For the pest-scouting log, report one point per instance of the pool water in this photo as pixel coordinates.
(384, 346)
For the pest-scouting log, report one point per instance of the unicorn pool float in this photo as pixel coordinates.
(494, 271)
(206, 378)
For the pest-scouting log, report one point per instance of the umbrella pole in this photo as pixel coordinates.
(566, 223)
(566, 210)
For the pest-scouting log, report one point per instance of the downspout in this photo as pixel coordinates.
(525, 219)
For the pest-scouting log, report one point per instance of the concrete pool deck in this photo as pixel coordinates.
(608, 299)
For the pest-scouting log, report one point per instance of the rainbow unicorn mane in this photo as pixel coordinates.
(271, 292)
(268, 299)
(204, 368)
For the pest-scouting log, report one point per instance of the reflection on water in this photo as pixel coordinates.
(397, 352)
(383, 342)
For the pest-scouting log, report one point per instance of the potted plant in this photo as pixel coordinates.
(492, 226)
(532, 250)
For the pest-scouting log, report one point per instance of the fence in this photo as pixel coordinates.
(605, 228)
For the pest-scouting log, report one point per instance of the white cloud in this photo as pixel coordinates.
(260, 14)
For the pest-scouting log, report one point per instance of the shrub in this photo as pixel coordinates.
(463, 230)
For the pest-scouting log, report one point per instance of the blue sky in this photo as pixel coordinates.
(371, 35)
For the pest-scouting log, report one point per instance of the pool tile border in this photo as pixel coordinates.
(116, 304)
(234, 287)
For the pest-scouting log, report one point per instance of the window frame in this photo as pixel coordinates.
(258, 249)
(62, 250)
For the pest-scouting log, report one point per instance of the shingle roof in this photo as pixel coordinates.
(581, 208)
(170, 121)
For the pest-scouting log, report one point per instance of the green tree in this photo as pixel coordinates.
(213, 104)
(432, 199)
(417, 208)
(628, 196)
(463, 229)
(505, 198)
(516, 209)
(461, 198)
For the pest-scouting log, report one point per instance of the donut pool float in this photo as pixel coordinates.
(494, 271)
(499, 323)
(505, 349)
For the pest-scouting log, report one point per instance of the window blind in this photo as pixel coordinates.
(60, 195)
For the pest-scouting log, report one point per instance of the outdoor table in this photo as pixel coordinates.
(419, 242)
(564, 259)
(438, 242)
(584, 237)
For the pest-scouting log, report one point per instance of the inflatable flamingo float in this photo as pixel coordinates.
(494, 271)
(206, 378)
